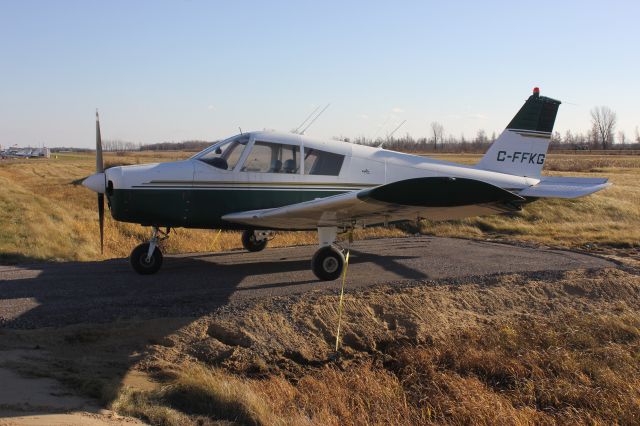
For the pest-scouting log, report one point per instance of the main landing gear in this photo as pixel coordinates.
(255, 240)
(328, 262)
(146, 258)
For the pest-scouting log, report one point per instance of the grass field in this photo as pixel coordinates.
(46, 215)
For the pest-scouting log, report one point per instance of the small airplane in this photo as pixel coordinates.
(260, 182)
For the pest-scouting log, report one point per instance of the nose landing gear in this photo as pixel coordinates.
(146, 258)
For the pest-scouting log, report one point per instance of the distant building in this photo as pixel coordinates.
(28, 152)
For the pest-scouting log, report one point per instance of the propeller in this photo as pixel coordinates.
(100, 169)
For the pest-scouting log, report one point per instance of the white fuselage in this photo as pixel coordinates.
(197, 194)
(363, 166)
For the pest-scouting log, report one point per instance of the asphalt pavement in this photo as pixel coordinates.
(58, 294)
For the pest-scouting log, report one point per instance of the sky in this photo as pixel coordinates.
(198, 70)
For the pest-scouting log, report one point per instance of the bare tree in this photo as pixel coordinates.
(568, 137)
(438, 134)
(604, 123)
(622, 138)
(481, 136)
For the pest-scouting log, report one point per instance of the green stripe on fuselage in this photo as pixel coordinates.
(198, 208)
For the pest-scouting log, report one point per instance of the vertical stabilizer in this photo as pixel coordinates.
(522, 148)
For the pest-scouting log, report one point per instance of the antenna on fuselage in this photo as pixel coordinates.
(380, 127)
(306, 119)
(391, 134)
(240, 128)
(314, 119)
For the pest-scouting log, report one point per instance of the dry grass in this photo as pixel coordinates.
(609, 218)
(46, 215)
(557, 348)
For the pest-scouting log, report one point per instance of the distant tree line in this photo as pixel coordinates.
(177, 146)
(122, 146)
(437, 143)
(600, 136)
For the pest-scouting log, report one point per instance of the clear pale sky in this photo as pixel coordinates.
(178, 70)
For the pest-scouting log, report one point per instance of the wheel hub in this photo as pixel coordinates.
(147, 261)
(330, 264)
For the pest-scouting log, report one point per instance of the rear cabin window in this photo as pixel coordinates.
(226, 156)
(318, 162)
(267, 157)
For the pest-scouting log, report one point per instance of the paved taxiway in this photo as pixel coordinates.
(57, 294)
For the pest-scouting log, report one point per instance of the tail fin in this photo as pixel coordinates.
(522, 147)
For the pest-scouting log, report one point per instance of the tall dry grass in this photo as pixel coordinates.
(609, 218)
(560, 370)
(548, 348)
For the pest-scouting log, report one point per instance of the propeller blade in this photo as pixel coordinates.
(99, 162)
(100, 169)
(101, 218)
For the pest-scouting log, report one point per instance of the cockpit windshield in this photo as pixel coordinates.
(226, 154)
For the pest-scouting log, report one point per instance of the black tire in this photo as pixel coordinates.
(327, 264)
(138, 260)
(250, 243)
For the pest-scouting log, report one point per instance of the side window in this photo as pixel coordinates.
(226, 156)
(318, 162)
(267, 157)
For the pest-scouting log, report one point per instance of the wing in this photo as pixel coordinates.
(439, 198)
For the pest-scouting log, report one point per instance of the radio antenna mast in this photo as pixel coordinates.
(314, 119)
(306, 119)
(391, 134)
(380, 128)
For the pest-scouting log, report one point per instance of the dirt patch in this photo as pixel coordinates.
(26, 399)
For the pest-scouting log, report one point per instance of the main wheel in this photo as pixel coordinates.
(139, 263)
(251, 243)
(327, 263)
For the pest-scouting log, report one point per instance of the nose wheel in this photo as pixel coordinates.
(144, 264)
(146, 259)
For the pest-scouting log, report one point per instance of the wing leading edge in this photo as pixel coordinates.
(438, 198)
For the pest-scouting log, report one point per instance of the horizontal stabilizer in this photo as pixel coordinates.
(565, 187)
